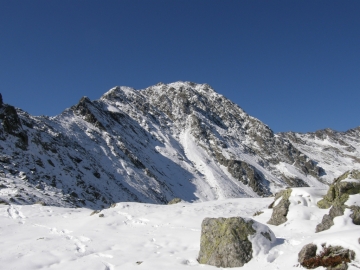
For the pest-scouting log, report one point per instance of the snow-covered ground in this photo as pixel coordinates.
(149, 236)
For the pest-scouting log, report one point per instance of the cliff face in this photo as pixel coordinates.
(177, 140)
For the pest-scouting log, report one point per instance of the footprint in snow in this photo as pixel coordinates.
(15, 213)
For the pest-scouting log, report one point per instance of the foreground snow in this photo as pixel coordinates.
(148, 236)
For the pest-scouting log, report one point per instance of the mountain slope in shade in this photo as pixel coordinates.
(169, 140)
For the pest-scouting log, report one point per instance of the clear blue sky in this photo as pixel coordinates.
(295, 65)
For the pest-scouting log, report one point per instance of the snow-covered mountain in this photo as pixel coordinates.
(169, 140)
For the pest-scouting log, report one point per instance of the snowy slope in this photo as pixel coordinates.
(147, 236)
(334, 151)
(168, 140)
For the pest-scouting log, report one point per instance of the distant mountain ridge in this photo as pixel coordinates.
(169, 140)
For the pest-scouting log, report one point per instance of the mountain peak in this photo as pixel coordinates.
(180, 139)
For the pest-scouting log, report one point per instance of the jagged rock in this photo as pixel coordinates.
(336, 197)
(225, 241)
(174, 201)
(11, 124)
(83, 108)
(331, 257)
(327, 220)
(280, 210)
(249, 175)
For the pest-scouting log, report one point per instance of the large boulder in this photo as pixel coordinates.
(337, 198)
(331, 257)
(280, 207)
(232, 242)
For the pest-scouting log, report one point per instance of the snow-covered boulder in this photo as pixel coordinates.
(232, 242)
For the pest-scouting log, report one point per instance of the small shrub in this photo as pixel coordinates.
(327, 258)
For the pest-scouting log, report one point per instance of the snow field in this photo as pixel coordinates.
(149, 236)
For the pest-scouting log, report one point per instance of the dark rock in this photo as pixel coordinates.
(327, 220)
(281, 210)
(84, 108)
(50, 162)
(12, 125)
(306, 253)
(3, 202)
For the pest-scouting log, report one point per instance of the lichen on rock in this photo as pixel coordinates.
(337, 198)
(232, 242)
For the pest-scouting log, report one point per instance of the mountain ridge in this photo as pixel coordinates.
(168, 140)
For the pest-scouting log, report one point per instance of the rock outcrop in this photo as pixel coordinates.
(232, 242)
(337, 198)
(11, 125)
(280, 208)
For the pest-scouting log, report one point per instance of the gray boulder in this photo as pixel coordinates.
(280, 210)
(306, 253)
(328, 220)
(336, 198)
(232, 242)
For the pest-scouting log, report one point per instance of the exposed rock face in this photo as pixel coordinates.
(280, 210)
(337, 197)
(332, 150)
(11, 125)
(331, 257)
(340, 190)
(225, 242)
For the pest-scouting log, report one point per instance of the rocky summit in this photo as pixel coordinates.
(179, 140)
